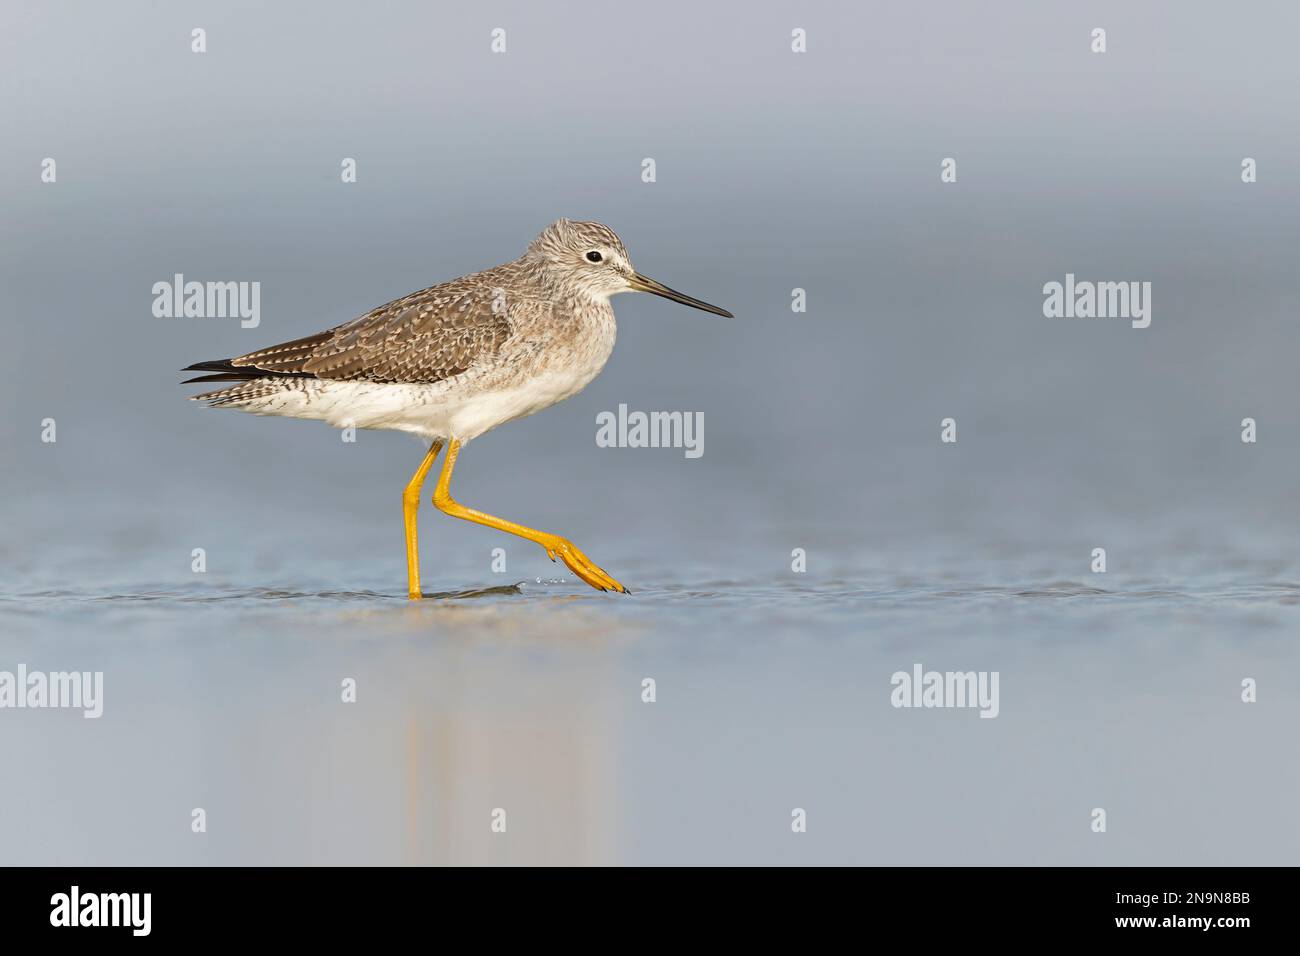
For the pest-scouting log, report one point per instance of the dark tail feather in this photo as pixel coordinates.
(220, 377)
(216, 365)
(227, 371)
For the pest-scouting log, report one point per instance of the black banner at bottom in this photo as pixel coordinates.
(368, 905)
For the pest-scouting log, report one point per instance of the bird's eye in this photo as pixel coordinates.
(594, 256)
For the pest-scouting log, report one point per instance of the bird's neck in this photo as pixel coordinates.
(559, 286)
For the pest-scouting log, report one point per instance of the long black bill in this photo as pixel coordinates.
(642, 284)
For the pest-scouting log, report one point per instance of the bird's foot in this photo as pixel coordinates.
(579, 563)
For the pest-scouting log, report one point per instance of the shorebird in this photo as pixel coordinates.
(454, 360)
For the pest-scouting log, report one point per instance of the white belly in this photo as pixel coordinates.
(476, 414)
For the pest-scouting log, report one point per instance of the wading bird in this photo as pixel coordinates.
(452, 361)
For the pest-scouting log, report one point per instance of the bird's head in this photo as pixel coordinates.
(588, 258)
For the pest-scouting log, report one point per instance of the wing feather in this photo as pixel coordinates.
(428, 336)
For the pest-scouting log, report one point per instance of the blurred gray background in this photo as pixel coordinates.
(774, 171)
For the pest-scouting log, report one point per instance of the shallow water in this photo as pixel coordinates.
(772, 693)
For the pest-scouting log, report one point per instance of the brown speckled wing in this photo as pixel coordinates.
(427, 336)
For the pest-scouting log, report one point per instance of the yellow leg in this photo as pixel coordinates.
(410, 508)
(568, 552)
